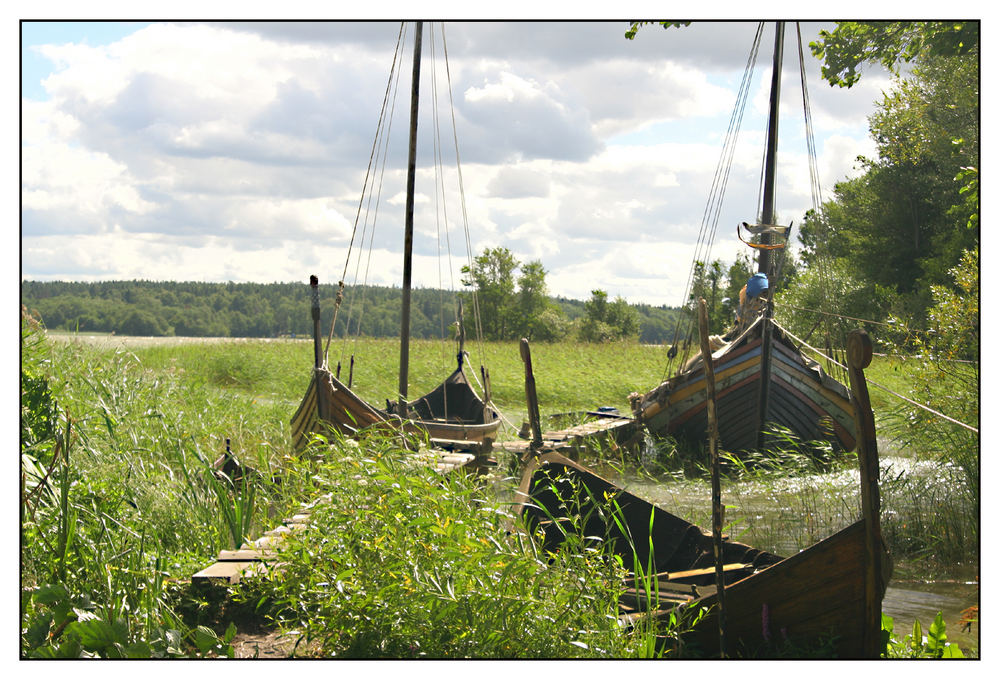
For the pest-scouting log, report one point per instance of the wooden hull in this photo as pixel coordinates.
(328, 401)
(817, 593)
(768, 598)
(802, 397)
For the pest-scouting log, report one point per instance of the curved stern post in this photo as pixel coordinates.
(859, 356)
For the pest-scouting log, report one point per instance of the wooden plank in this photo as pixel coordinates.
(228, 572)
(244, 555)
(471, 446)
(674, 575)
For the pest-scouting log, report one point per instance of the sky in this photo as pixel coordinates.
(237, 151)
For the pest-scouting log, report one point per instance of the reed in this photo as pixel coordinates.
(118, 502)
(398, 562)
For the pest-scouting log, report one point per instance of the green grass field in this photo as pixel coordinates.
(119, 503)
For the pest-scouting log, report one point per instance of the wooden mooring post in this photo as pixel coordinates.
(859, 357)
(713, 447)
(534, 420)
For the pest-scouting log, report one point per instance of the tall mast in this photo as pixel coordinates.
(411, 168)
(767, 209)
(767, 218)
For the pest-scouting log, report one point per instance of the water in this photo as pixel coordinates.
(907, 601)
(786, 514)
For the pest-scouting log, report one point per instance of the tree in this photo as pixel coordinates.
(636, 25)
(904, 223)
(705, 284)
(604, 322)
(492, 276)
(532, 299)
(143, 322)
(506, 314)
(888, 43)
(737, 275)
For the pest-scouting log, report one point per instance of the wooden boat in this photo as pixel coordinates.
(802, 598)
(452, 415)
(802, 397)
(762, 376)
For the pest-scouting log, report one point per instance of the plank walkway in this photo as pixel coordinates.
(252, 558)
(231, 566)
(615, 428)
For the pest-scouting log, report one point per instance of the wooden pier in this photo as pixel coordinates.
(253, 558)
(614, 428)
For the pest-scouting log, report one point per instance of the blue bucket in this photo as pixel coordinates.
(756, 284)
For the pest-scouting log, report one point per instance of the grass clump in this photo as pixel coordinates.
(400, 562)
(117, 500)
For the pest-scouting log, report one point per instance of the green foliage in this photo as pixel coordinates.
(121, 486)
(946, 378)
(706, 283)
(38, 406)
(491, 275)
(504, 313)
(399, 562)
(888, 43)
(191, 309)
(636, 25)
(907, 220)
(608, 322)
(831, 287)
(59, 625)
(917, 645)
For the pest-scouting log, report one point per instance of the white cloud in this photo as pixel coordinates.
(215, 152)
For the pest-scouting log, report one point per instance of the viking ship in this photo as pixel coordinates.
(452, 415)
(816, 596)
(763, 379)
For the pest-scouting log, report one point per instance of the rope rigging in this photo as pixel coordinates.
(361, 244)
(713, 206)
(882, 387)
(364, 190)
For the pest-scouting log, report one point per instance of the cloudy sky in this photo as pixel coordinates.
(238, 151)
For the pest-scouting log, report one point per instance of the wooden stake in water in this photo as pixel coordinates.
(713, 446)
(534, 419)
(317, 344)
(859, 357)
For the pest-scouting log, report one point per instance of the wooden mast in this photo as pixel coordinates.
(767, 218)
(411, 169)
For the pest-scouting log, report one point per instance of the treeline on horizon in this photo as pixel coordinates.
(269, 310)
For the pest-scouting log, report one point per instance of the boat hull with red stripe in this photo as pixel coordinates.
(801, 397)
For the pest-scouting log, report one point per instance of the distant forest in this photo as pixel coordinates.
(267, 310)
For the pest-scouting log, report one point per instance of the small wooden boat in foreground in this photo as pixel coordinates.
(830, 592)
(820, 591)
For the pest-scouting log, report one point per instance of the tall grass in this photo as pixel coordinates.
(119, 501)
(117, 498)
(400, 562)
(569, 376)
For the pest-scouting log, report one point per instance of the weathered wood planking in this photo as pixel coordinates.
(232, 566)
(572, 439)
